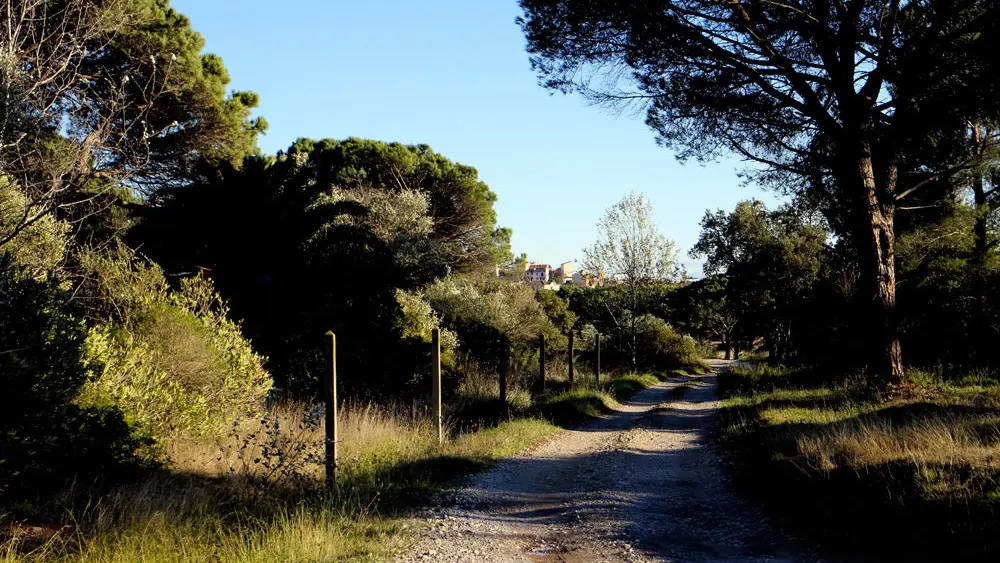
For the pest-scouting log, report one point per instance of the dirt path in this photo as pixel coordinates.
(645, 484)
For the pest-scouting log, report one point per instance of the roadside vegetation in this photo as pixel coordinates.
(165, 289)
(257, 494)
(835, 462)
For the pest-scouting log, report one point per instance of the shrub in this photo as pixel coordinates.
(510, 309)
(244, 383)
(587, 339)
(119, 288)
(417, 320)
(660, 346)
(171, 360)
(45, 438)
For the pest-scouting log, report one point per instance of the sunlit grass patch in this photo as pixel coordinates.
(257, 494)
(623, 387)
(589, 399)
(575, 405)
(801, 395)
(927, 440)
(501, 441)
(698, 368)
(977, 386)
(300, 534)
(802, 415)
(242, 501)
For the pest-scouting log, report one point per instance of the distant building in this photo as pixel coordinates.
(538, 273)
(564, 273)
(544, 276)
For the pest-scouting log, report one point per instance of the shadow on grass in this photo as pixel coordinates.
(933, 509)
(191, 509)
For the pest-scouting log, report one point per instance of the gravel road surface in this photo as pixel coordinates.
(642, 484)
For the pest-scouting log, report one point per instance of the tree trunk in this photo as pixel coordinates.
(786, 347)
(635, 364)
(634, 339)
(980, 322)
(981, 228)
(878, 244)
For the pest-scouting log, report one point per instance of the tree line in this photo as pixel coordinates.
(162, 277)
(876, 114)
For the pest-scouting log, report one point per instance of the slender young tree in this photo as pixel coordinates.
(983, 179)
(630, 250)
(827, 91)
(984, 144)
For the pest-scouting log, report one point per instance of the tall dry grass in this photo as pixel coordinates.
(288, 443)
(915, 472)
(928, 440)
(258, 495)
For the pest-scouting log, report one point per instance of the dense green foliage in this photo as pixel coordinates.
(45, 436)
(103, 363)
(170, 360)
(782, 282)
(322, 238)
(771, 260)
(40, 247)
(109, 93)
(662, 323)
(661, 347)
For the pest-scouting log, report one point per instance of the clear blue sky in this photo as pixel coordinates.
(454, 74)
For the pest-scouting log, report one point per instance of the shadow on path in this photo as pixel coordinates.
(642, 484)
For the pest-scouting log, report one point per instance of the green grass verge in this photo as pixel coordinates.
(698, 368)
(585, 400)
(913, 476)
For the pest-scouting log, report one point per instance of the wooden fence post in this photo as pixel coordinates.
(436, 382)
(330, 395)
(571, 366)
(597, 352)
(541, 360)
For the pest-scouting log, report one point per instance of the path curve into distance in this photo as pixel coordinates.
(642, 484)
